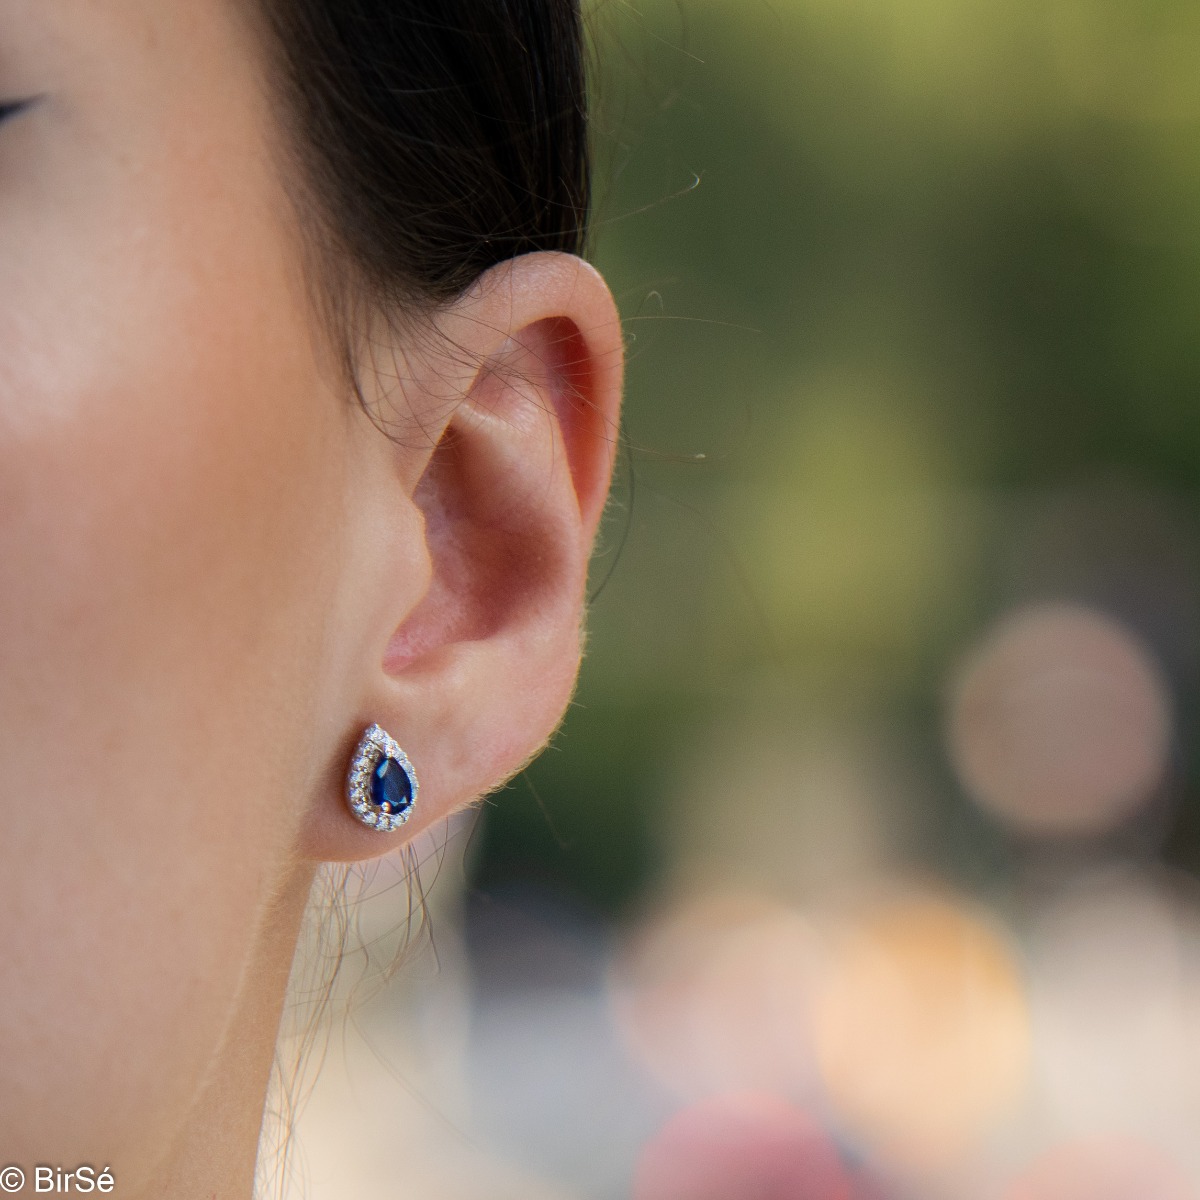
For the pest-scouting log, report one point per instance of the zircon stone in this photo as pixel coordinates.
(391, 788)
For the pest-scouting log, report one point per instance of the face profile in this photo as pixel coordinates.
(262, 488)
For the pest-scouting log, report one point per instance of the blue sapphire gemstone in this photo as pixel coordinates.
(391, 788)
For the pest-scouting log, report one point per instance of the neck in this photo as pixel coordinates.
(216, 1152)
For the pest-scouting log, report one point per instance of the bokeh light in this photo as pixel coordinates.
(1114, 960)
(742, 1147)
(714, 995)
(922, 1028)
(1110, 1168)
(1060, 721)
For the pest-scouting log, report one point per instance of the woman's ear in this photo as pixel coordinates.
(475, 592)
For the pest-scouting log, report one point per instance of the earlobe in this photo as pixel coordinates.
(477, 673)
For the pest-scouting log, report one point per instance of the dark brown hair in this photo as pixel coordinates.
(436, 138)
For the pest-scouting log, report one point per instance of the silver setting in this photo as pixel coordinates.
(375, 745)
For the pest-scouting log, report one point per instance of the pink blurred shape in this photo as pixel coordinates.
(748, 1146)
(1102, 1169)
(712, 996)
(1060, 721)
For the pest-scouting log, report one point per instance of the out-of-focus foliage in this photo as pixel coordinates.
(901, 278)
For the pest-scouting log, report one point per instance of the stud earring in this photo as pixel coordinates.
(381, 787)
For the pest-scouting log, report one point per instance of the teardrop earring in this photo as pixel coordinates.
(381, 787)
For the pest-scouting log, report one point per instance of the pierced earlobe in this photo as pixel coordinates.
(381, 786)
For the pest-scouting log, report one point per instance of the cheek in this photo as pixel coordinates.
(170, 482)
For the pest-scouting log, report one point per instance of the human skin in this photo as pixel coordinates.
(215, 571)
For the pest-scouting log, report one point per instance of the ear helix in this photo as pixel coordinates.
(381, 785)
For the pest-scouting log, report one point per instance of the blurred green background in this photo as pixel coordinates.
(912, 292)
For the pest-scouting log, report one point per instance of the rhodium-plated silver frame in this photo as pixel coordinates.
(375, 745)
